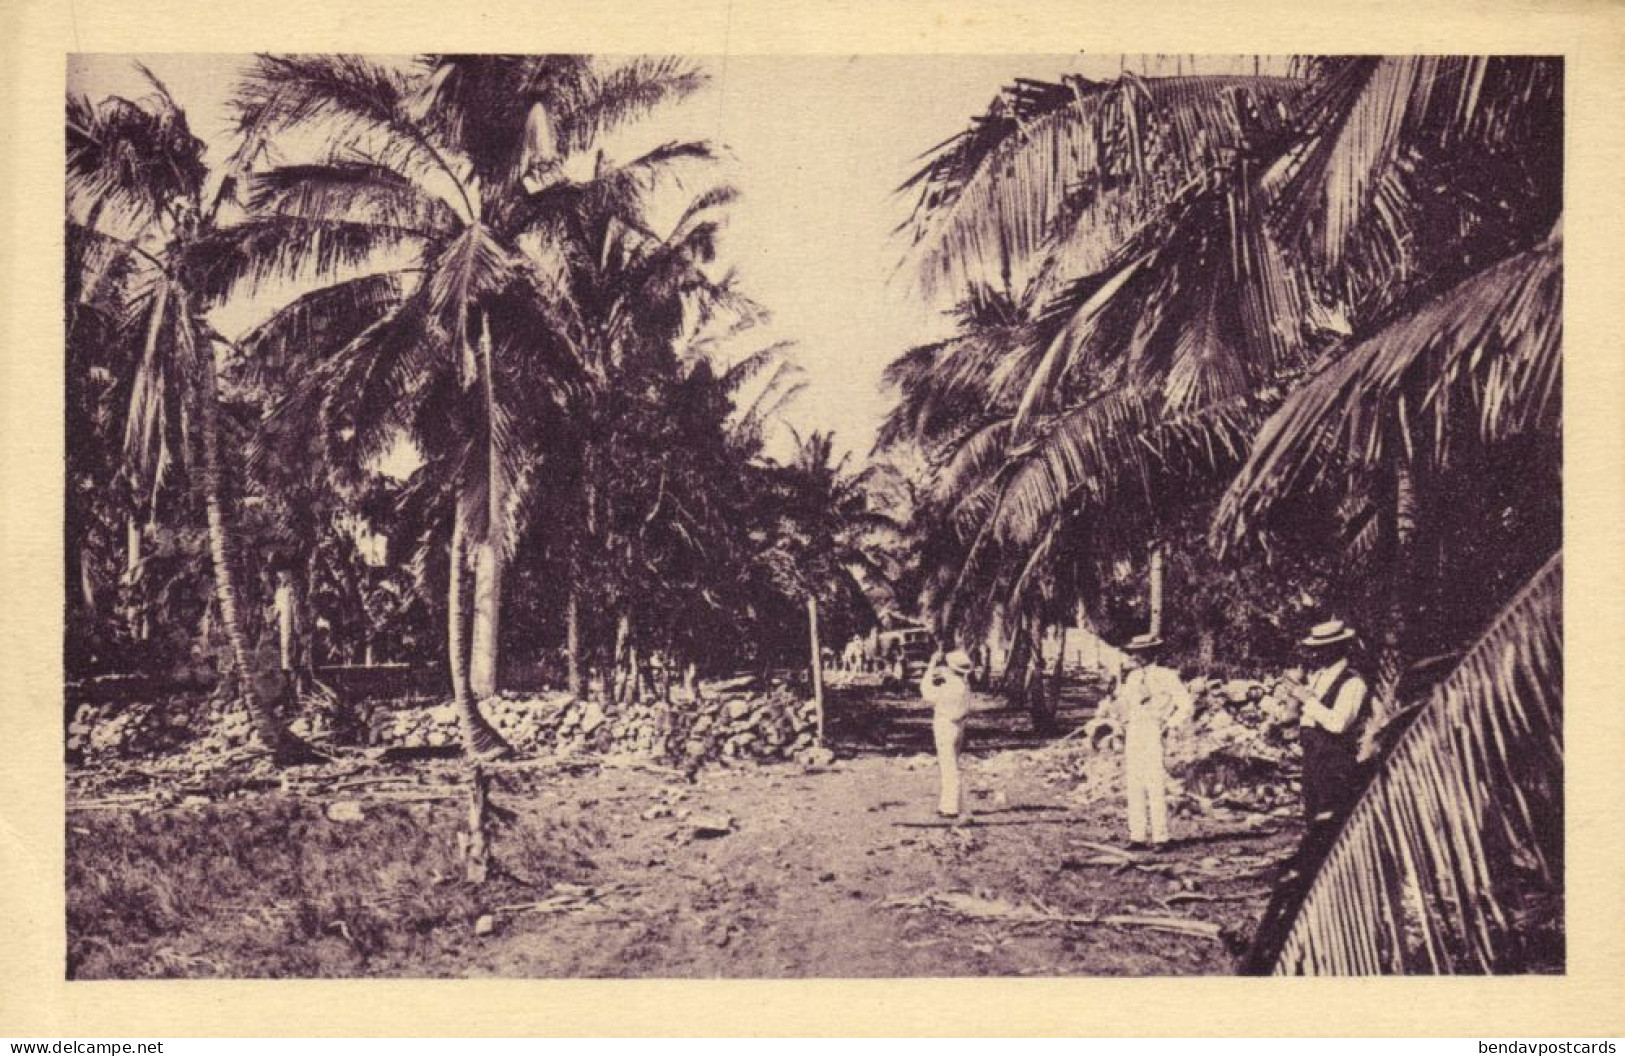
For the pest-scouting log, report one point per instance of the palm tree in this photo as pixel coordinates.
(1184, 265)
(429, 184)
(135, 173)
(1158, 321)
(1474, 376)
(643, 312)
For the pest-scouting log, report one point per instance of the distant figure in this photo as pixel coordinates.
(981, 667)
(1150, 699)
(946, 689)
(1333, 700)
(896, 668)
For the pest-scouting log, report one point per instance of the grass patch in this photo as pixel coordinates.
(270, 888)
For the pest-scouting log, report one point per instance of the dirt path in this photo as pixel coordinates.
(817, 872)
(774, 871)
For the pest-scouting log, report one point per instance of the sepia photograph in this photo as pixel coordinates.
(813, 516)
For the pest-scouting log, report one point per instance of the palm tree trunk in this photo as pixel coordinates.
(612, 679)
(478, 737)
(575, 660)
(133, 615)
(1060, 661)
(1391, 664)
(287, 646)
(486, 652)
(485, 662)
(575, 648)
(286, 749)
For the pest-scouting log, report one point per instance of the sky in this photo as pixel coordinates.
(817, 146)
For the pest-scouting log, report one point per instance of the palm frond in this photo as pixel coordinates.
(353, 101)
(1094, 157)
(626, 90)
(315, 324)
(135, 159)
(1462, 821)
(657, 161)
(1490, 347)
(351, 191)
(742, 372)
(1367, 117)
(271, 249)
(470, 267)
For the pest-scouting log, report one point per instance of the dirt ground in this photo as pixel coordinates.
(774, 871)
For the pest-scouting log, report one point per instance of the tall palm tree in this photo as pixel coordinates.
(138, 184)
(1474, 370)
(427, 183)
(1158, 315)
(644, 311)
(1184, 262)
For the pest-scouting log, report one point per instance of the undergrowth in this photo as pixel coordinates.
(270, 887)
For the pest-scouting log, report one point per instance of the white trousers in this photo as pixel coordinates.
(1147, 783)
(949, 733)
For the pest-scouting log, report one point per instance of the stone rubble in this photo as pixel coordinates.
(739, 725)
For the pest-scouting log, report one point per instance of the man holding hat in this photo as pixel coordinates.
(1150, 698)
(1333, 699)
(946, 687)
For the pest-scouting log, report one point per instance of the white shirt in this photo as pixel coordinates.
(1340, 714)
(946, 691)
(1153, 694)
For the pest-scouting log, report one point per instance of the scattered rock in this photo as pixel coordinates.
(710, 826)
(485, 924)
(345, 810)
(815, 757)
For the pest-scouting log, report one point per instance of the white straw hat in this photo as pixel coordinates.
(1328, 633)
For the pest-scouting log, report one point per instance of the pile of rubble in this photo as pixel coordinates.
(734, 723)
(738, 725)
(125, 729)
(1238, 752)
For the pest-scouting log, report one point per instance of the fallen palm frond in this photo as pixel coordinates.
(1461, 826)
(565, 898)
(974, 907)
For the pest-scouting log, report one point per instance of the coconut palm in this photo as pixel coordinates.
(413, 214)
(137, 181)
(644, 313)
(1472, 376)
(1185, 263)
(1158, 319)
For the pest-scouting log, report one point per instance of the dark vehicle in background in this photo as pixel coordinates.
(905, 652)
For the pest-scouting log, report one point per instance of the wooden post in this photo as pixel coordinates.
(817, 667)
(477, 849)
(1156, 593)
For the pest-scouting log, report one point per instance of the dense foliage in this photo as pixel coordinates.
(466, 285)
